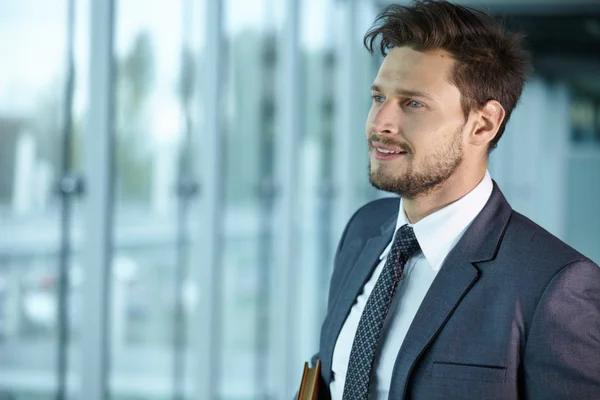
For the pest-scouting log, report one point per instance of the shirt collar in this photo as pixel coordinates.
(439, 232)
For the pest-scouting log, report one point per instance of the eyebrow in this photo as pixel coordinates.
(404, 92)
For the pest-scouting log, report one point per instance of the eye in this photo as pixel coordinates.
(414, 104)
(378, 98)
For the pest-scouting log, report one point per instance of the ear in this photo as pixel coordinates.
(487, 122)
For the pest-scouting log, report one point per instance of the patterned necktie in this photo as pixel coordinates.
(371, 321)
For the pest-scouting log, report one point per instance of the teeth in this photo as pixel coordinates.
(384, 151)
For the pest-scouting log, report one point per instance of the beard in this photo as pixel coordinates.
(419, 180)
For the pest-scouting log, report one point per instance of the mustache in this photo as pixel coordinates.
(387, 142)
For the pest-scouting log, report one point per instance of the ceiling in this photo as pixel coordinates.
(564, 46)
(562, 35)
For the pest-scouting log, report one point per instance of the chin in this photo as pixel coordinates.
(385, 182)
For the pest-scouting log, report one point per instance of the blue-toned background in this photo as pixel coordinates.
(170, 200)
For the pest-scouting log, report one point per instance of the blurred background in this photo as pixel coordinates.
(175, 175)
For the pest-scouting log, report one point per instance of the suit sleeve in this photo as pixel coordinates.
(316, 356)
(338, 252)
(562, 354)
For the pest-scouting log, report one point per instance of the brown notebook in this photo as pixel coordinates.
(309, 387)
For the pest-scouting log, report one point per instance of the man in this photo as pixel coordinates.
(447, 293)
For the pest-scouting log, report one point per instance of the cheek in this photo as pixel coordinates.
(423, 142)
(424, 131)
(369, 124)
(430, 142)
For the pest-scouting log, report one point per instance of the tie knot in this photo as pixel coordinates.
(407, 241)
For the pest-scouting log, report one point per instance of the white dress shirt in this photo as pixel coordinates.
(437, 234)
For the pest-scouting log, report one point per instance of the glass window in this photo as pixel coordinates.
(597, 125)
(248, 129)
(152, 127)
(582, 120)
(34, 155)
(316, 167)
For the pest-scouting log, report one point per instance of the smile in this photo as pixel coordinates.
(385, 154)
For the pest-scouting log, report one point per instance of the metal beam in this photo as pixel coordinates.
(353, 76)
(97, 247)
(207, 243)
(344, 181)
(283, 287)
(67, 187)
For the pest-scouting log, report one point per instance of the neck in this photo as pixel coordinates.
(457, 186)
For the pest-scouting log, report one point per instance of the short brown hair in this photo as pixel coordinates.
(490, 63)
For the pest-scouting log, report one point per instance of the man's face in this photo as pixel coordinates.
(416, 114)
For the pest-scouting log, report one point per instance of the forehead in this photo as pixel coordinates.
(411, 69)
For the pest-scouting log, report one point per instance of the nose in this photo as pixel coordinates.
(386, 119)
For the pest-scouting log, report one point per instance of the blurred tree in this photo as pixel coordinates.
(186, 85)
(136, 73)
(134, 79)
(10, 129)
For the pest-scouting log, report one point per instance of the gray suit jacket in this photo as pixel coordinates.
(514, 313)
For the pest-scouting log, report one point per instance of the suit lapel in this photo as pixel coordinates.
(359, 273)
(457, 275)
(450, 285)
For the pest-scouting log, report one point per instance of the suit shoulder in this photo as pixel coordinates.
(373, 214)
(540, 244)
(380, 207)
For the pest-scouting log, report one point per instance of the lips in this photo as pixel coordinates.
(388, 148)
(387, 152)
(387, 156)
